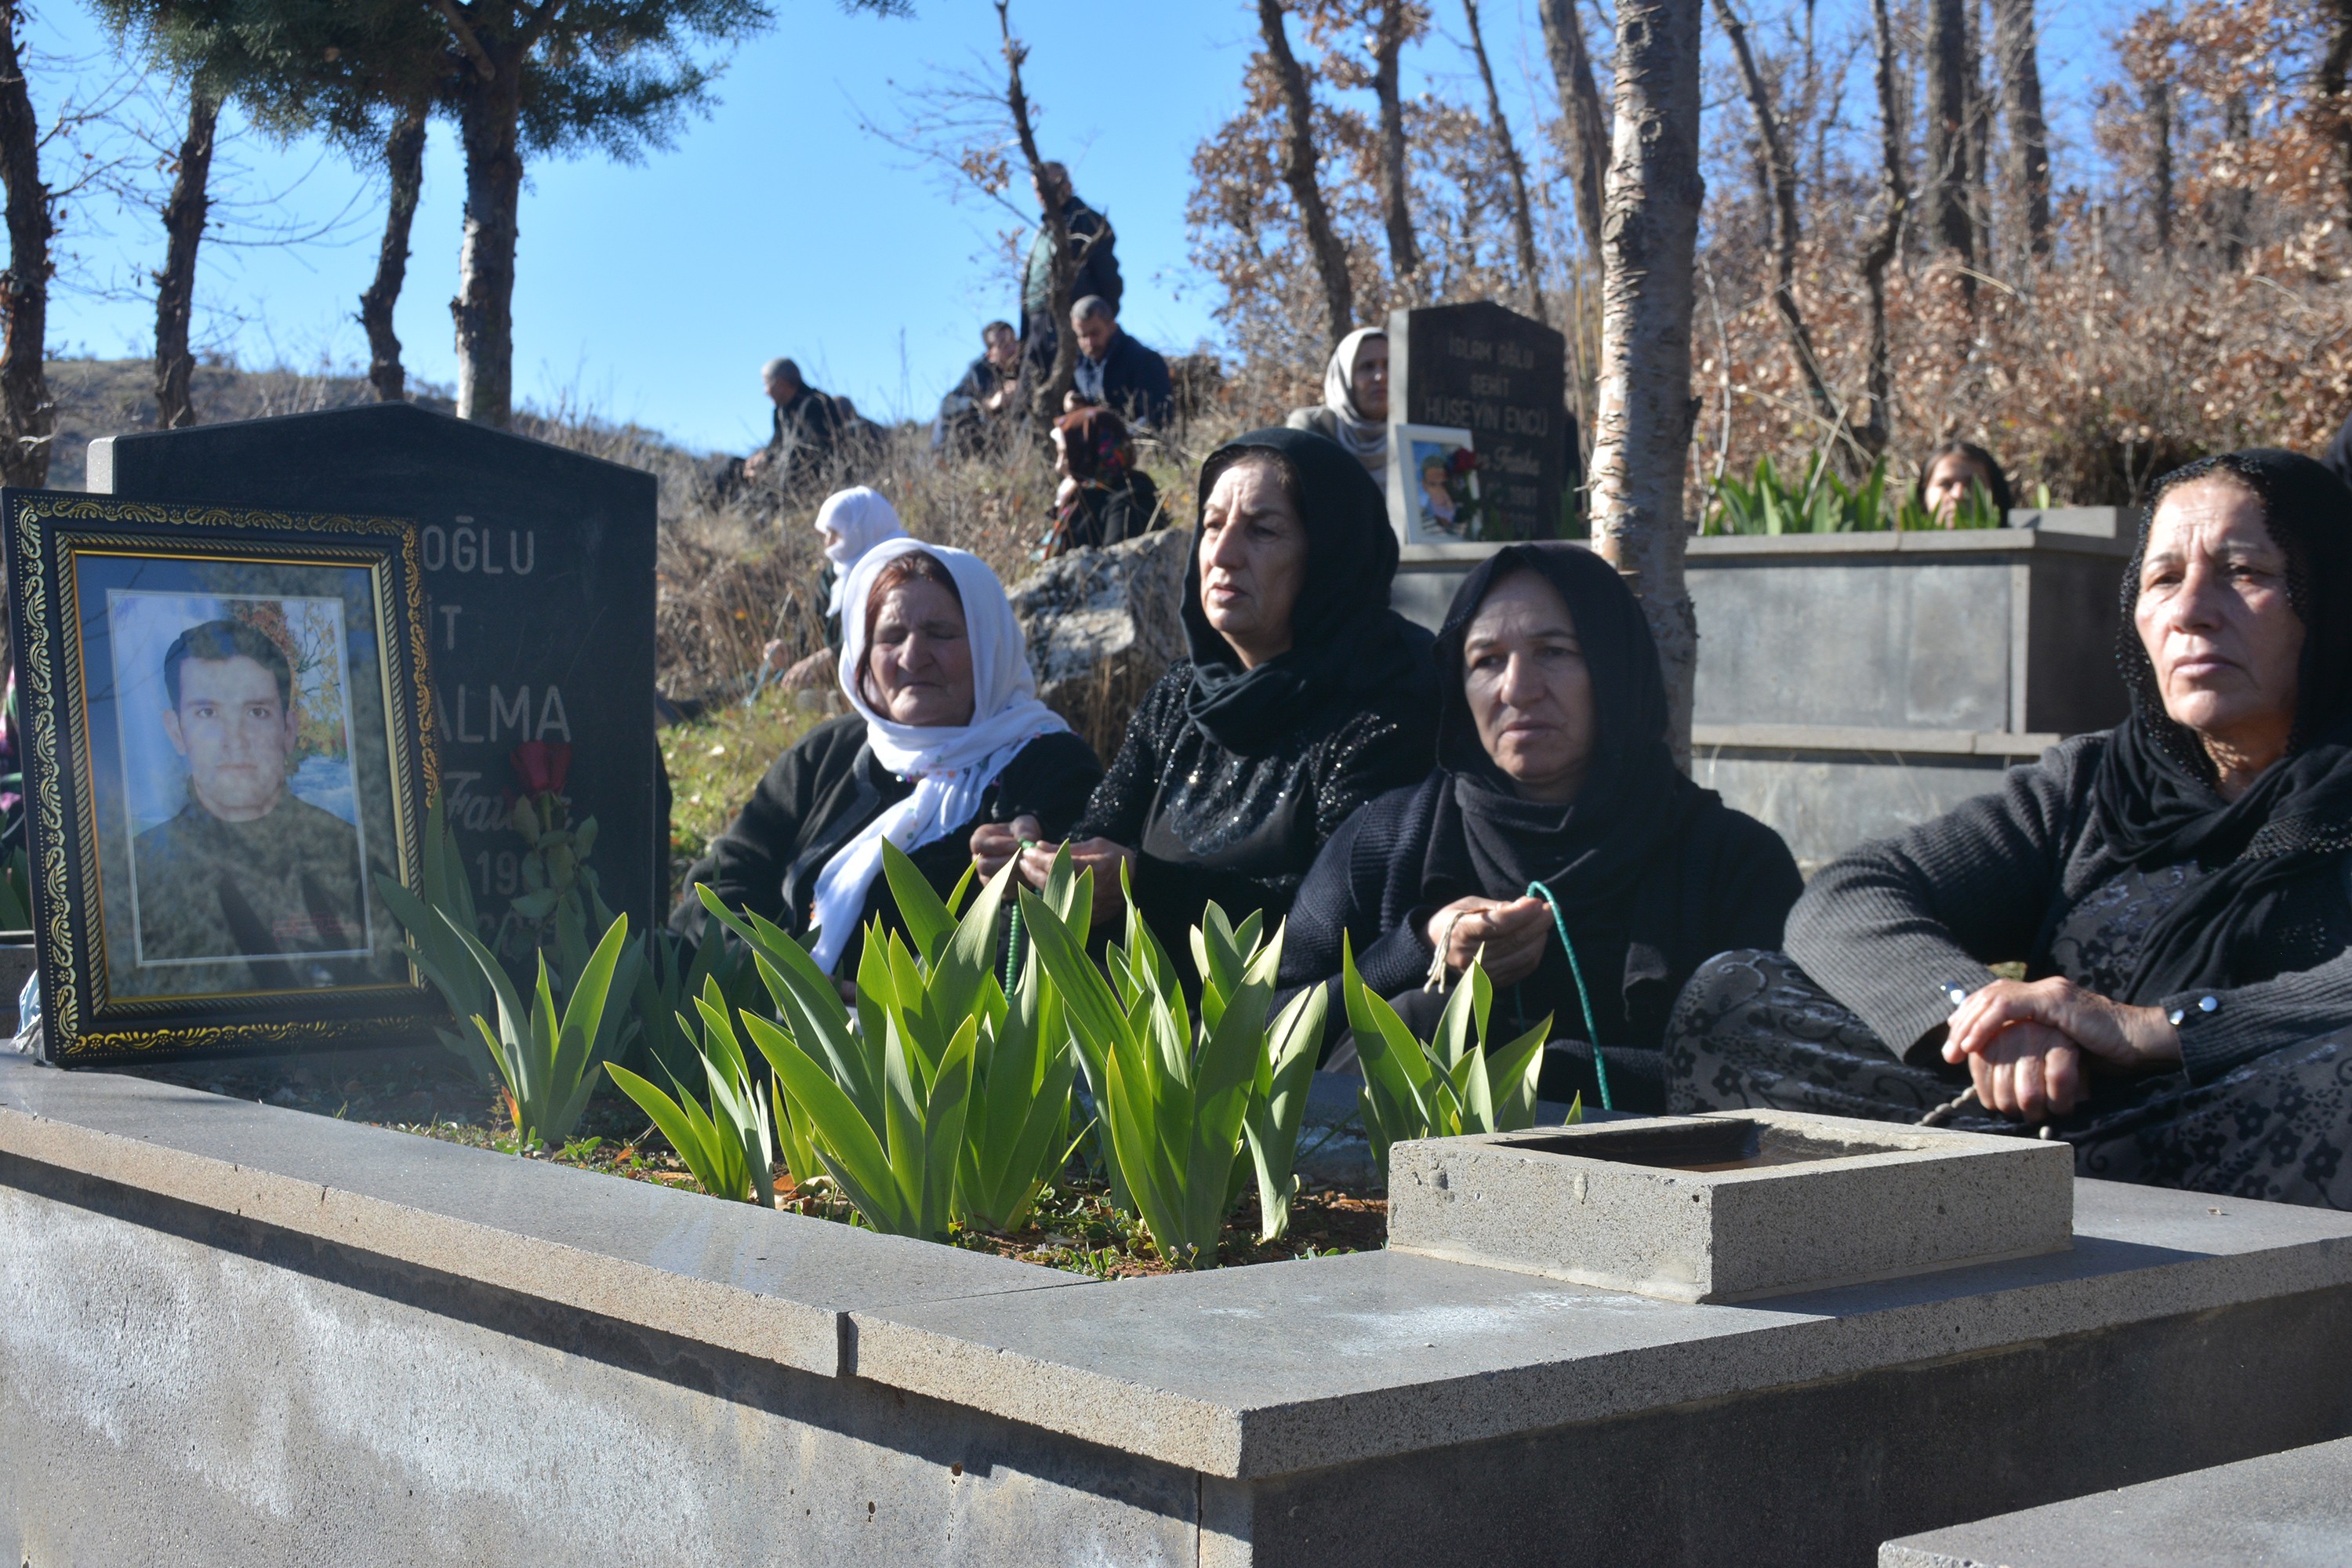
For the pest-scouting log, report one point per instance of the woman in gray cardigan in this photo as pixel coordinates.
(2175, 887)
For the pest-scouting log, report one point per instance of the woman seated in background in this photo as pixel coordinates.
(1104, 497)
(849, 523)
(1947, 475)
(1355, 408)
(1553, 773)
(2175, 886)
(945, 732)
(1305, 697)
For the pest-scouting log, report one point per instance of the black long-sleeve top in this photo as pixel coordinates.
(1892, 928)
(1725, 881)
(1209, 823)
(819, 793)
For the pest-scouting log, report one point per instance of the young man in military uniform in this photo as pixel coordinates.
(246, 868)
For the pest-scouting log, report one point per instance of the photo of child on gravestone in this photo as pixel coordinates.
(1441, 485)
(248, 867)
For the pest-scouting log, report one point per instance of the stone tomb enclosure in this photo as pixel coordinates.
(1731, 1205)
(538, 570)
(233, 1332)
(1503, 377)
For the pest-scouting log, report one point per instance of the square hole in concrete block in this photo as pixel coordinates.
(1730, 1143)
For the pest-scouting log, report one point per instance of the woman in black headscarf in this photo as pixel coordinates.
(1305, 697)
(2176, 888)
(1554, 788)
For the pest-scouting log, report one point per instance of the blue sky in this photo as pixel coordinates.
(652, 291)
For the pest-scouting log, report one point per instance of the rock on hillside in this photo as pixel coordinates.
(1101, 625)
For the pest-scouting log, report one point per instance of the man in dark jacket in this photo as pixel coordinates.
(991, 384)
(1093, 249)
(806, 429)
(1115, 371)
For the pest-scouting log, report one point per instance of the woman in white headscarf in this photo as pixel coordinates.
(945, 733)
(851, 523)
(1355, 408)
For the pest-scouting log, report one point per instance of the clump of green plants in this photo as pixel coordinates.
(1449, 1084)
(546, 1056)
(1768, 502)
(1180, 1105)
(731, 1145)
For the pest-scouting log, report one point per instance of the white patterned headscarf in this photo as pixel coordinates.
(860, 518)
(950, 765)
(1366, 439)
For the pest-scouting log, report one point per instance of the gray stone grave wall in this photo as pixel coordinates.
(234, 1334)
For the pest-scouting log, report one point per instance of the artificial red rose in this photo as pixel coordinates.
(1463, 460)
(541, 765)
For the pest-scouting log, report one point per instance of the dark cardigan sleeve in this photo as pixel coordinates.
(1123, 798)
(1893, 927)
(1051, 780)
(2250, 1021)
(1347, 897)
(745, 865)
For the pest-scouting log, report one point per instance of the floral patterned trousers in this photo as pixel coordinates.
(1751, 1030)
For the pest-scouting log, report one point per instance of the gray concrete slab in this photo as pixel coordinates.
(1730, 1207)
(2283, 1511)
(768, 1284)
(1411, 1352)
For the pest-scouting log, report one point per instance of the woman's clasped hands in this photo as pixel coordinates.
(2028, 1044)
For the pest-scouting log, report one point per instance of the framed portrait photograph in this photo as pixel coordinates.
(1434, 485)
(228, 748)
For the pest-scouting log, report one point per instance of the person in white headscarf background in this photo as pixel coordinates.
(945, 734)
(1355, 408)
(850, 522)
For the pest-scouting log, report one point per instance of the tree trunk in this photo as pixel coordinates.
(2234, 203)
(1584, 135)
(1045, 401)
(1642, 437)
(1298, 166)
(2027, 167)
(175, 286)
(2332, 70)
(2159, 174)
(1895, 206)
(1523, 221)
(1778, 168)
(28, 418)
(403, 162)
(1947, 138)
(1396, 211)
(1978, 140)
(489, 116)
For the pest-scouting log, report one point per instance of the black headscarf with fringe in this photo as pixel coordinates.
(2157, 791)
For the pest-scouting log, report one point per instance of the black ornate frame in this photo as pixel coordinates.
(46, 531)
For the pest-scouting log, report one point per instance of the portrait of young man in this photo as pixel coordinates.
(246, 869)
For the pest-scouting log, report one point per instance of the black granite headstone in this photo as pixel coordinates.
(538, 566)
(1503, 377)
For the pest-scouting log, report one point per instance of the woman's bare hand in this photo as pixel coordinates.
(2025, 1042)
(995, 844)
(1511, 932)
(1100, 855)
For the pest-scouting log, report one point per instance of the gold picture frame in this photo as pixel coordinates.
(226, 743)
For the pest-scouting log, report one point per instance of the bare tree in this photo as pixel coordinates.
(2335, 67)
(1643, 427)
(2159, 104)
(2233, 206)
(1299, 172)
(1948, 135)
(1895, 206)
(404, 165)
(1397, 22)
(175, 285)
(1045, 401)
(1584, 135)
(1779, 170)
(27, 416)
(2017, 48)
(1523, 223)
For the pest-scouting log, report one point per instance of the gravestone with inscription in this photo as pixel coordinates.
(538, 566)
(1503, 377)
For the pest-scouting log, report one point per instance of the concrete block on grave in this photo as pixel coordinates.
(2283, 1511)
(538, 570)
(1731, 1205)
